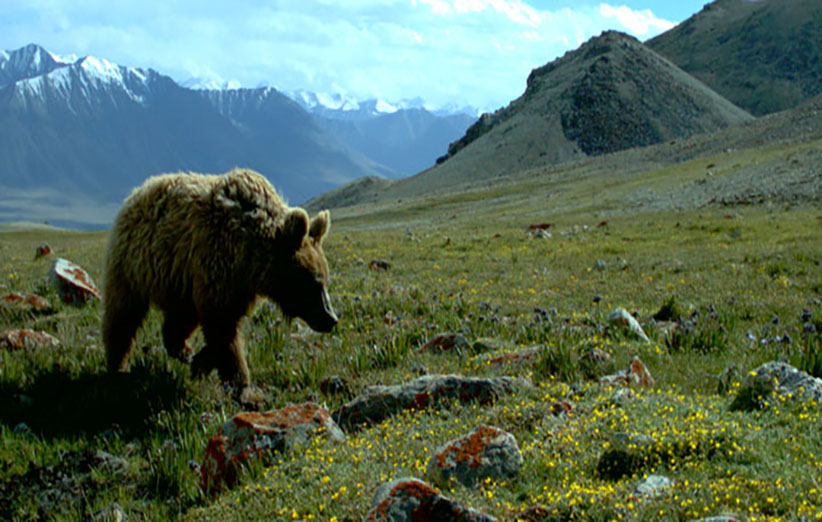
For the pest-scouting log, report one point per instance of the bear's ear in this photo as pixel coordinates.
(319, 226)
(295, 227)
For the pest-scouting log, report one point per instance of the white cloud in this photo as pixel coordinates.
(639, 23)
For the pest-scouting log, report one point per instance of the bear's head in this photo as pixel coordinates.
(303, 281)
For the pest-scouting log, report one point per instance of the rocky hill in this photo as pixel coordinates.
(763, 55)
(611, 94)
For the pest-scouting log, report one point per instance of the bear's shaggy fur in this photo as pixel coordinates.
(202, 249)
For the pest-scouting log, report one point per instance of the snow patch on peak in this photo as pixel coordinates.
(101, 68)
(385, 107)
(67, 59)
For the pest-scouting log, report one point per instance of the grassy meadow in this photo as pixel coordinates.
(458, 264)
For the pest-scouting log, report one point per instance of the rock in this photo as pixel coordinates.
(486, 452)
(637, 374)
(33, 303)
(251, 435)
(381, 402)
(447, 342)
(529, 355)
(113, 513)
(653, 486)
(109, 462)
(622, 319)
(42, 251)
(73, 283)
(622, 396)
(379, 264)
(411, 499)
(21, 428)
(28, 339)
(561, 409)
(666, 328)
(334, 385)
(776, 377)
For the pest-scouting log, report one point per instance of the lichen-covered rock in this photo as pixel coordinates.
(447, 342)
(28, 302)
(381, 402)
(251, 435)
(622, 319)
(42, 251)
(637, 374)
(776, 377)
(486, 452)
(523, 357)
(73, 283)
(411, 500)
(28, 339)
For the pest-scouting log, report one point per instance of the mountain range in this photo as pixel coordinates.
(77, 134)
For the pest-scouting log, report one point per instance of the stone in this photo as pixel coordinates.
(447, 342)
(776, 377)
(73, 283)
(380, 402)
(487, 452)
(637, 374)
(653, 486)
(113, 513)
(719, 518)
(622, 319)
(42, 251)
(379, 264)
(411, 500)
(26, 338)
(29, 302)
(334, 385)
(250, 435)
(523, 357)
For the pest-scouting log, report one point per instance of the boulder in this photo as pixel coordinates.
(637, 374)
(486, 452)
(250, 435)
(776, 377)
(26, 338)
(447, 342)
(42, 251)
(380, 402)
(29, 302)
(411, 499)
(73, 283)
(622, 319)
(523, 357)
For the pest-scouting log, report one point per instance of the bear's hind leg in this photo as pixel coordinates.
(178, 324)
(121, 319)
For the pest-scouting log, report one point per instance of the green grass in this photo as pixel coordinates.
(732, 270)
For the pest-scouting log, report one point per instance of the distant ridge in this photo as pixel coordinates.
(764, 56)
(611, 94)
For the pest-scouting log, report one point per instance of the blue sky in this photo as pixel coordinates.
(476, 52)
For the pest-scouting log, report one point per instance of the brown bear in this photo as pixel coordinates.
(204, 249)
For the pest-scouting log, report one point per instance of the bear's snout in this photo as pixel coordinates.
(330, 318)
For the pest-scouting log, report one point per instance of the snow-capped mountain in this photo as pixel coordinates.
(85, 129)
(29, 62)
(342, 106)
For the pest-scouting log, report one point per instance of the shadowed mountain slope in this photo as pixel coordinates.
(763, 55)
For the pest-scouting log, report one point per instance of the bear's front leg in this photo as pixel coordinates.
(224, 351)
